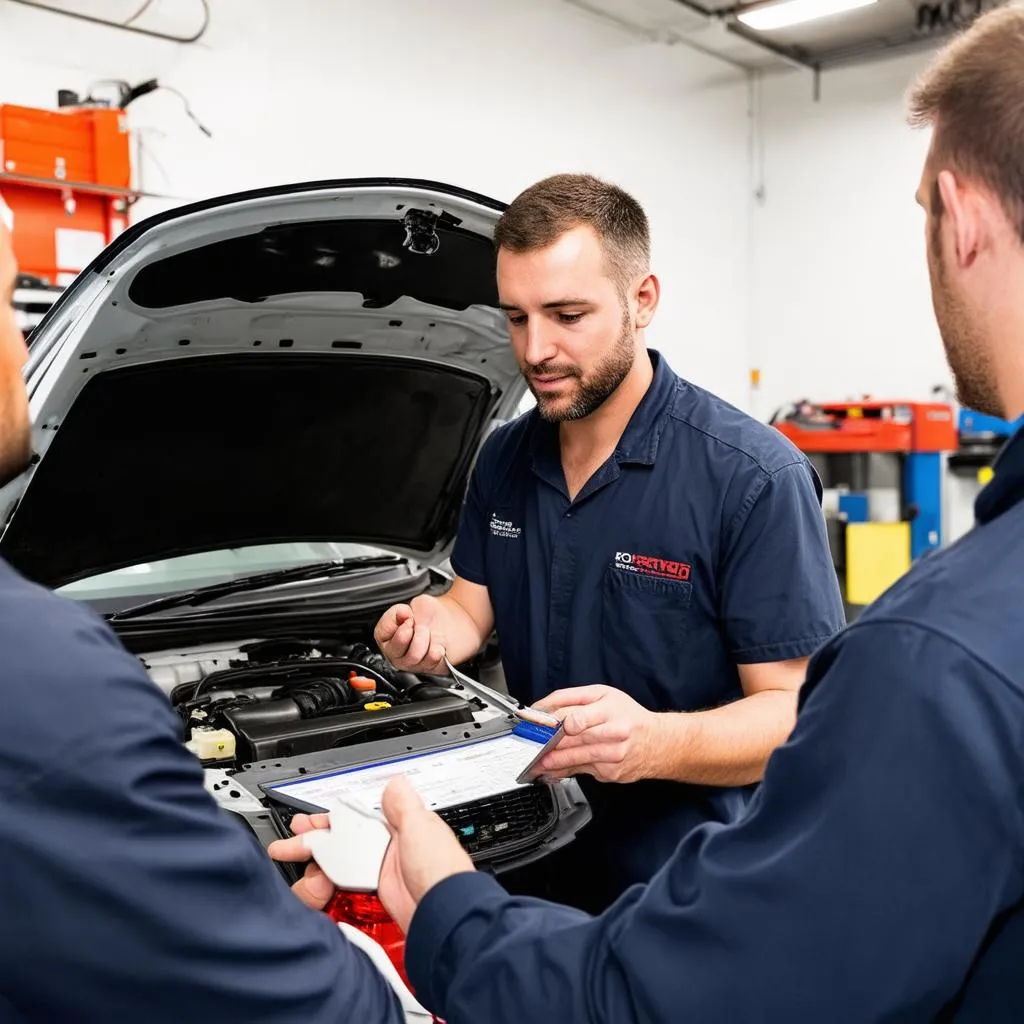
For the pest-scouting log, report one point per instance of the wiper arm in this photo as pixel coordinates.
(202, 595)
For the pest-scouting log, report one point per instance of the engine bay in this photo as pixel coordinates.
(264, 710)
(270, 699)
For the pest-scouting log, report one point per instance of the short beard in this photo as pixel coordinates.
(596, 389)
(968, 358)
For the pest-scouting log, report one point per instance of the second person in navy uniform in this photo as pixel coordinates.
(642, 547)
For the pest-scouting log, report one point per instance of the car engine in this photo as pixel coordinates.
(257, 712)
(280, 698)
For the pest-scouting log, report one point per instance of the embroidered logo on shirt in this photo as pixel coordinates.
(648, 565)
(504, 528)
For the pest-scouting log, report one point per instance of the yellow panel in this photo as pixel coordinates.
(877, 554)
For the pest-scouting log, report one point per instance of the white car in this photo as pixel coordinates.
(255, 419)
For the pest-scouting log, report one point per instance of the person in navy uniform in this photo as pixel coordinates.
(878, 873)
(655, 562)
(126, 893)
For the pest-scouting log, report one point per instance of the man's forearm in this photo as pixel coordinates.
(727, 746)
(463, 635)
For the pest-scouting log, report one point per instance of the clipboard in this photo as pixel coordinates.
(444, 776)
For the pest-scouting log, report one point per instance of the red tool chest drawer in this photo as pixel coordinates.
(84, 146)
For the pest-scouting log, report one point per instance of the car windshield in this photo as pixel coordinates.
(187, 572)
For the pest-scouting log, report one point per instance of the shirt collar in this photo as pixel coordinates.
(1006, 488)
(639, 441)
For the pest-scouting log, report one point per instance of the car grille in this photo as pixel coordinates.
(499, 821)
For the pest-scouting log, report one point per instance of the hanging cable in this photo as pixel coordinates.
(126, 26)
(127, 94)
(188, 110)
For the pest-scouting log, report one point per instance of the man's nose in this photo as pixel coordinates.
(540, 342)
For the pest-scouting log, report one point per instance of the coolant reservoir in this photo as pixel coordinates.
(210, 744)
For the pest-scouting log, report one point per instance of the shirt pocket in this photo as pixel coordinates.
(644, 635)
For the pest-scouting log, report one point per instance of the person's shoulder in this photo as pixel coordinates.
(32, 617)
(65, 672)
(735, 438)
(967, 595)
(957, 610)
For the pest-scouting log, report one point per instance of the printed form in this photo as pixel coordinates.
(443, 778)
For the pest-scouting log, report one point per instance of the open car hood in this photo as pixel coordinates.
(315, 362)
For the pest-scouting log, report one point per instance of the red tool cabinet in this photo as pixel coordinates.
(66, 176)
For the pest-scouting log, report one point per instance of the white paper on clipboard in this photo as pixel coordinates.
(443, 778)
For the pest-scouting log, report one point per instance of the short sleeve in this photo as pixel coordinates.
(780, 596)
(469, 557)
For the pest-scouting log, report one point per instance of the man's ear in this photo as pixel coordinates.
(965, 210)
(647, 295)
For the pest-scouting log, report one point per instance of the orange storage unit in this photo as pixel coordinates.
(66, 175)
(86, 145)
(873, 426)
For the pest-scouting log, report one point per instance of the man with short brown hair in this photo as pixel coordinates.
(973, 188)
(879, 872)
(654, 560)
(545, 211)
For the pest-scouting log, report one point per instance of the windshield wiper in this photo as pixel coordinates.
(202, 595)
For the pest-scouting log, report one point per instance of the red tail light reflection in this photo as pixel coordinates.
(366, 912)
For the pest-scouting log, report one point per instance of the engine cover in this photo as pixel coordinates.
(263, 740)
(285, 698)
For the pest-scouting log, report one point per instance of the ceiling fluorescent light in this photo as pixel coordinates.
(795, 12)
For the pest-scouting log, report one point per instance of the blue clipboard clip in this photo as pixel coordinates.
(546, 736)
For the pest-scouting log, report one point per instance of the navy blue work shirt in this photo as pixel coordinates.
(125, 892)
(698, 546)
(878, 874)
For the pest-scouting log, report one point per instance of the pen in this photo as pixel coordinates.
(358, 806)
(493, 697)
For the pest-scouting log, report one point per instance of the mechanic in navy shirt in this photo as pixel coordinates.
(125, 892)
(642, 548)
(878, 874)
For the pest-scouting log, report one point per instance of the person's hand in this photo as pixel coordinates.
(607, 735)
(423, 852)
(408, 636)
(315, 889)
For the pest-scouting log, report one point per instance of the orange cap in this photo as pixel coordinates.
(361, 683)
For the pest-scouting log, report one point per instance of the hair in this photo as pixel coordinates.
(973, 97)
(546, 210)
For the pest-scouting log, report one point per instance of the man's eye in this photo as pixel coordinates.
(570, 318)
(518, 319)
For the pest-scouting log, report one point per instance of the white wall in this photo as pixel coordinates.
(490, 96)
(841, 305)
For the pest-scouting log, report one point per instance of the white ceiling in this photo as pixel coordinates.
(886, 28)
